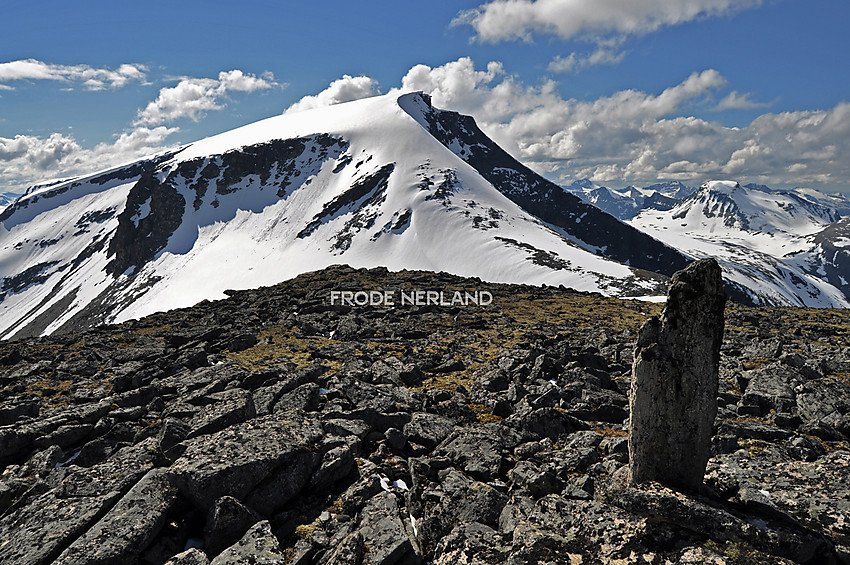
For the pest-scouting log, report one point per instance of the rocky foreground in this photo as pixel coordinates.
(274, 427)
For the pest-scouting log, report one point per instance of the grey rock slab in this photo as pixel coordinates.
(258, 546)
(128, 527)
(348, 551)
(538, 480)
(65, 423)
(235, 460)
(721, 525)
(805, 448)
(360, 492)
(479, 450)
(191, 556)
(336, 464)
(753, 430)
(64, 436)
(457, 500)
(383, 532)
(428, 429)
(38, 532)
(396, 439)
(229, 407)
(284, 482)
(227, 522)
(16, 409)
(346, 427)
(304, 398)
(472, 544)
(821, 398)
(772, 389)
(545, 422)
(817, 494)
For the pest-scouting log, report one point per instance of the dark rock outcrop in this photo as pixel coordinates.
(675, 381)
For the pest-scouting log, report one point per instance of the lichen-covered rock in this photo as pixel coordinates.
(510, 450)
(224, 409)
(675, 381)
(471, 544)
(258, 546)
(384, 533)
(778, 536)
(191, 556)
(39, 531)
(227, 522)
(128, 527)
(234, 461)
(428, 429)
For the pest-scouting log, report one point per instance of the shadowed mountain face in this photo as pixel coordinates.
(548, 201)
(277, 426)
(386, 181)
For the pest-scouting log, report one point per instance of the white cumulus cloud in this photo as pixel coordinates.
(89, 77)
(632, 136)
(737, 101)
(193, 97)
(345, 89)
(575, 62)
(501, 20)
(628, 136)
(38, 153)
(28, 159)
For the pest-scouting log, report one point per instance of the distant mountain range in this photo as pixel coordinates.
(7, 198)
(628, 202)
(776, 247)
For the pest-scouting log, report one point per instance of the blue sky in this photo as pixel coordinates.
(620, 91)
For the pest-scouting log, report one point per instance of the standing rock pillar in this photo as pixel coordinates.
(673, 399)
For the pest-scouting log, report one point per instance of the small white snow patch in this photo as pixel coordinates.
(144, 212)
(400, 484)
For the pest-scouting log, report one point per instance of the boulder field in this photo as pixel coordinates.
(276, 427)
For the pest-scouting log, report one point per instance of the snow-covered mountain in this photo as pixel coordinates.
(828, 257)
(384, 181)
(628, 202)
(7, 198)
(773, 245)
(838, 202)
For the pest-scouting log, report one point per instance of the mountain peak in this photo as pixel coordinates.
(726, 187)
(385, 181)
